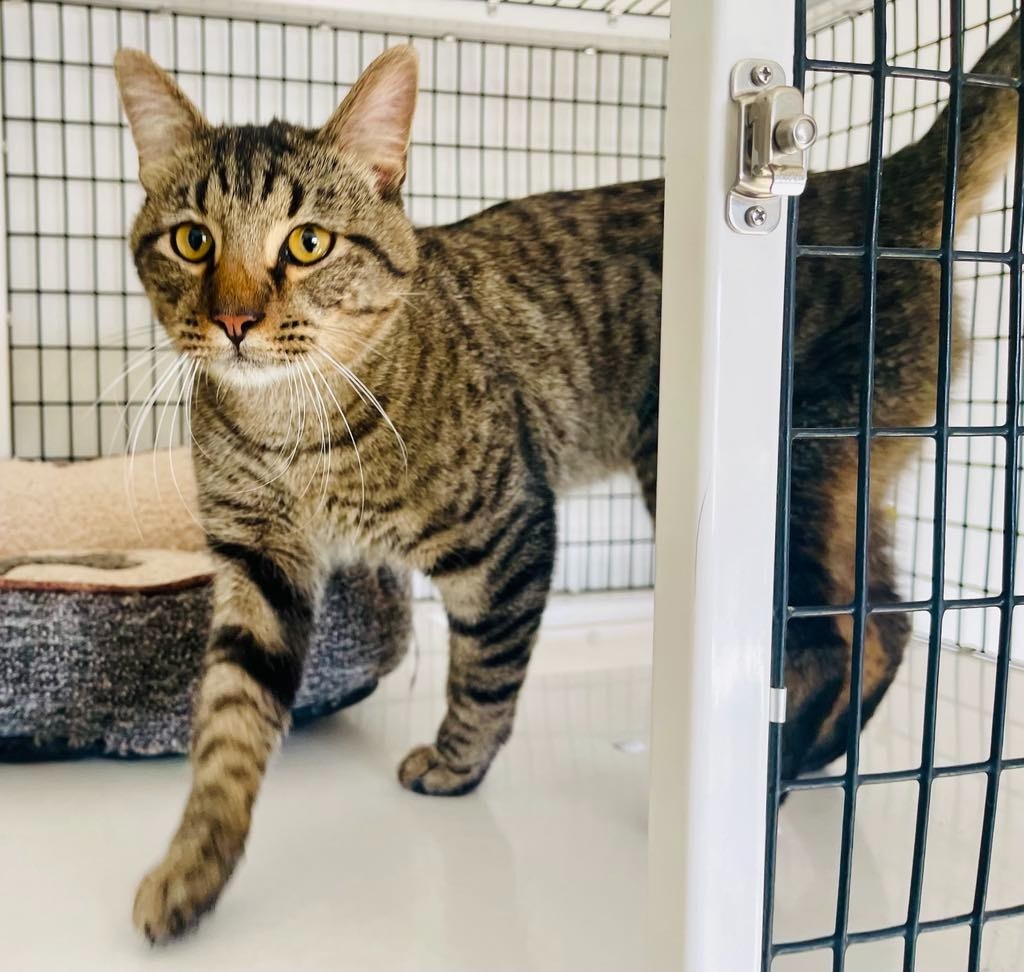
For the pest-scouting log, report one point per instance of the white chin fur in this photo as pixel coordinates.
(248, 375)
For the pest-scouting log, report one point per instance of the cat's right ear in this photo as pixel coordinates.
(161, 116)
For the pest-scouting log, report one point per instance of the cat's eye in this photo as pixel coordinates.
(192, 242)
(308, 244)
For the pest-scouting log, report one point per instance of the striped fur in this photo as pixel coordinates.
(515, 352)
(501, 360)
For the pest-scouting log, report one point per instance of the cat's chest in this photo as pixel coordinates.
(374, 503)
(360, 513)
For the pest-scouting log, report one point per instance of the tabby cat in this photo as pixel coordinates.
(421, 396)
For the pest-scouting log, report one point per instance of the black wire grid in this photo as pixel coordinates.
(882, 69)
(918, 36)
(976, 464)
(494, 121)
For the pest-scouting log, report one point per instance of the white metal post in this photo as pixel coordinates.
(722, 325)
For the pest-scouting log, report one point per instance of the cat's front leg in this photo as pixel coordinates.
(494, 594)
(262, 621)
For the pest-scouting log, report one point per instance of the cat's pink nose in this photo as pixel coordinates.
(236, 325)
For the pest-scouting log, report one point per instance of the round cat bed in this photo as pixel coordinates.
(104, 615)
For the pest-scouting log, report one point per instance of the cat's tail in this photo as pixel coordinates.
(914, 179)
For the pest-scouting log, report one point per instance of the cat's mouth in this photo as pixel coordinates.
(244, 365)
(248, 372)
(244, 358)
(263, 357)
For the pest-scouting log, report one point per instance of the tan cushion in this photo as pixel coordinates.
(88, 506)
(116, 571)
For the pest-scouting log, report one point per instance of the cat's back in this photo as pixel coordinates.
(558, 295)
(583, 263)
(581, 226)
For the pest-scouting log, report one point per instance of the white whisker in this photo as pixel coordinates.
(200, 371)
(370, 398)
(136, 361)
(135, 434)
(295, 448)
(184, 392)
(320, 420)
(144, 358)
(159, 429)
(122, 408)
(352, 438)
(347, 335)
(325, 421)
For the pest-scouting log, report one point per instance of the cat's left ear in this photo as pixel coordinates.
(162, 118)
(374, 121)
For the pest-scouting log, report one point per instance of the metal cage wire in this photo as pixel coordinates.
(495, 120)
(918, 36)
(870, 46)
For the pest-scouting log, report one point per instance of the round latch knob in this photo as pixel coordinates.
(796, 134)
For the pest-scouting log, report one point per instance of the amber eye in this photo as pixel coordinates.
(309, 243)
(192, 242)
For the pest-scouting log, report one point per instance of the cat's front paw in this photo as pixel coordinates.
(425, 770)
(174, 896)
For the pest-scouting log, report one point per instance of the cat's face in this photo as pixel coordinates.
(269, 247)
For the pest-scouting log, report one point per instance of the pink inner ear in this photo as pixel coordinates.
(384, 151)
(374, 124)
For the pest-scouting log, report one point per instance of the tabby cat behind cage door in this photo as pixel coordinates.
(500, 360)
(830, 332)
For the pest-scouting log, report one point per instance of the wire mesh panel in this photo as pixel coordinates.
(876, 80)
(89, 373)
(918, 37)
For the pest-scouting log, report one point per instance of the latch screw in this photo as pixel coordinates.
(756, 216)
(761, 75)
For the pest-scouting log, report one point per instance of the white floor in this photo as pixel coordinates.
(884, 838)
(542, 868)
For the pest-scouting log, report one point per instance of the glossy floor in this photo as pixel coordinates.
(543, 868)
(884, 838)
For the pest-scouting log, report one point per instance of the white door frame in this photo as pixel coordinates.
(721, 364)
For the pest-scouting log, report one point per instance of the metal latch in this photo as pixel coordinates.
(775, 133)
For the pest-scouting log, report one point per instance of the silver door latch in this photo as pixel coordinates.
(775, 134)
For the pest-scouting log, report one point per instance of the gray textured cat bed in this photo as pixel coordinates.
(103, 624)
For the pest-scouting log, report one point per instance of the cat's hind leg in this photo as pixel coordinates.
(645, 455)
(647, 472)
(494, 593)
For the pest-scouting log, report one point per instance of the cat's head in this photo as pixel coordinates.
(261, 244)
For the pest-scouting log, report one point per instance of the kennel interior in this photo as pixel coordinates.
(905, 857)
(495, 120)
